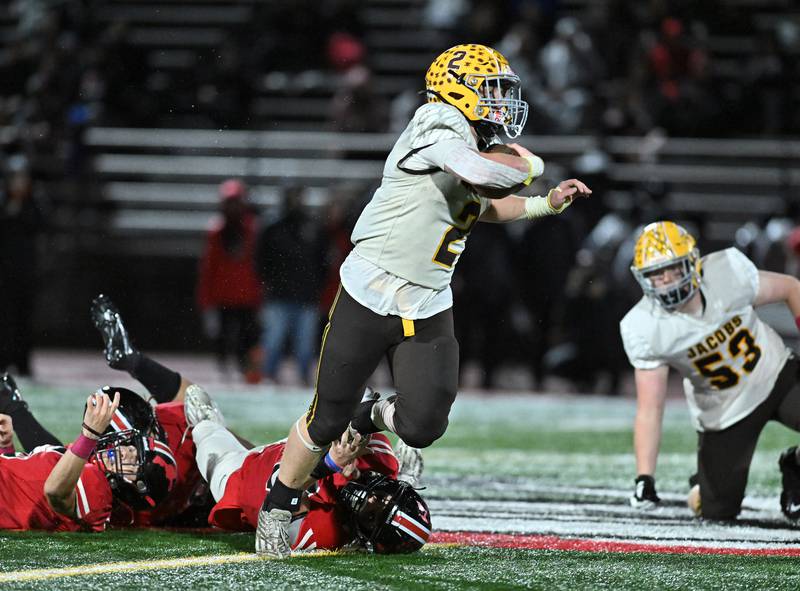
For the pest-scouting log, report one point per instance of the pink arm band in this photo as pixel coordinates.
(797, 322)
(83, 447)
(7, 450)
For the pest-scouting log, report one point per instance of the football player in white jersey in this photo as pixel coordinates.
(395, 299)
(697, 316)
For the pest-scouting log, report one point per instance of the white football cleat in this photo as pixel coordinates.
(272, 533)
(411, 463)
(198, 406)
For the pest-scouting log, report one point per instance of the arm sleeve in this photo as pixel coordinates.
(482, 172)
(93, 499)
(640, 354)
(441, 140)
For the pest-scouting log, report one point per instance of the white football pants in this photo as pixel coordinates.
(219, 454)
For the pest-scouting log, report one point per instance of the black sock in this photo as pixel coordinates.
(29, 431)
(281, 496)
(362, 419)
(162, 383)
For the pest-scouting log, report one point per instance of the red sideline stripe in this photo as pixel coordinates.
(528, 542)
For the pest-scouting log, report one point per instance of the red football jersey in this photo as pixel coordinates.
(322, 527)
(180, 442)
(24, 505)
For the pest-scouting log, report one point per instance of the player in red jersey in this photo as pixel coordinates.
(188, 503)
(352, 499)
(75, 488)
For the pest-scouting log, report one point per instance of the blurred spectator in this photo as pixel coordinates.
(345, 51)
(444, 15)
(768, 98)
(22, 219)
(485, 290)
(595, 303)
(546, 252)
(793, 250)
(356, 107)
(291, 263)
(771, 245)
(228, 290)
(569, 69)
(680, 93)
(337, 227)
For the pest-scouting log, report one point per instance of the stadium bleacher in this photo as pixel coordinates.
(152, 189)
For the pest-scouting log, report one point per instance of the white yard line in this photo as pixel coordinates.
(135, 566)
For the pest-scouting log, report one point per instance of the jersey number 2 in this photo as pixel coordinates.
(724, 376)
(469, 215)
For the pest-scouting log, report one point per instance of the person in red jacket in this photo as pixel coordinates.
(228, 289)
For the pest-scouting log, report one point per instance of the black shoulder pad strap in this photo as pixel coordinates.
(409, 155)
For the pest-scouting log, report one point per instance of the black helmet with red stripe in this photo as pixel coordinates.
(388, 515)
(134, 412)
(134, 454)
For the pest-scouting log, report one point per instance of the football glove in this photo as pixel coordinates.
(644, 495)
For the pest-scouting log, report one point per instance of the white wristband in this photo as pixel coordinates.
(536, 168)
(539, 207)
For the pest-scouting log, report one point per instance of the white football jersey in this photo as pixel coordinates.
(416, 225)
(728, 357)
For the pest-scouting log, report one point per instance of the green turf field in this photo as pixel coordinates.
(506, 464)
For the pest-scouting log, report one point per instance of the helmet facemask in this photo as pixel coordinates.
(500, 102)
(140, 469)
(674, 294)
(478, 81)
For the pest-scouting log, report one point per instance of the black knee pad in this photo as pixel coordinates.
(426, 376)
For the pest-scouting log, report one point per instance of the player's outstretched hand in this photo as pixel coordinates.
(645, 496)
(6, 431)
(566, 191)
(347, 450)
(99, 410)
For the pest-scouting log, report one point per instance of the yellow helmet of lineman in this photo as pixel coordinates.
(660, 246)
(478, 81)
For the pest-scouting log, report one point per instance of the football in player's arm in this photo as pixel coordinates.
(697, 316)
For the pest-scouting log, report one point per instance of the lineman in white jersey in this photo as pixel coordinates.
(697, 317)
(395, 299)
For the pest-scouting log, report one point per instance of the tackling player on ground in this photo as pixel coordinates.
(354, 498)
(361, 494)
(697, 316)
(112, 465)
(395, 299)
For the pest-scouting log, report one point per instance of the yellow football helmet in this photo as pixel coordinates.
(666, 245)
(478, 81)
